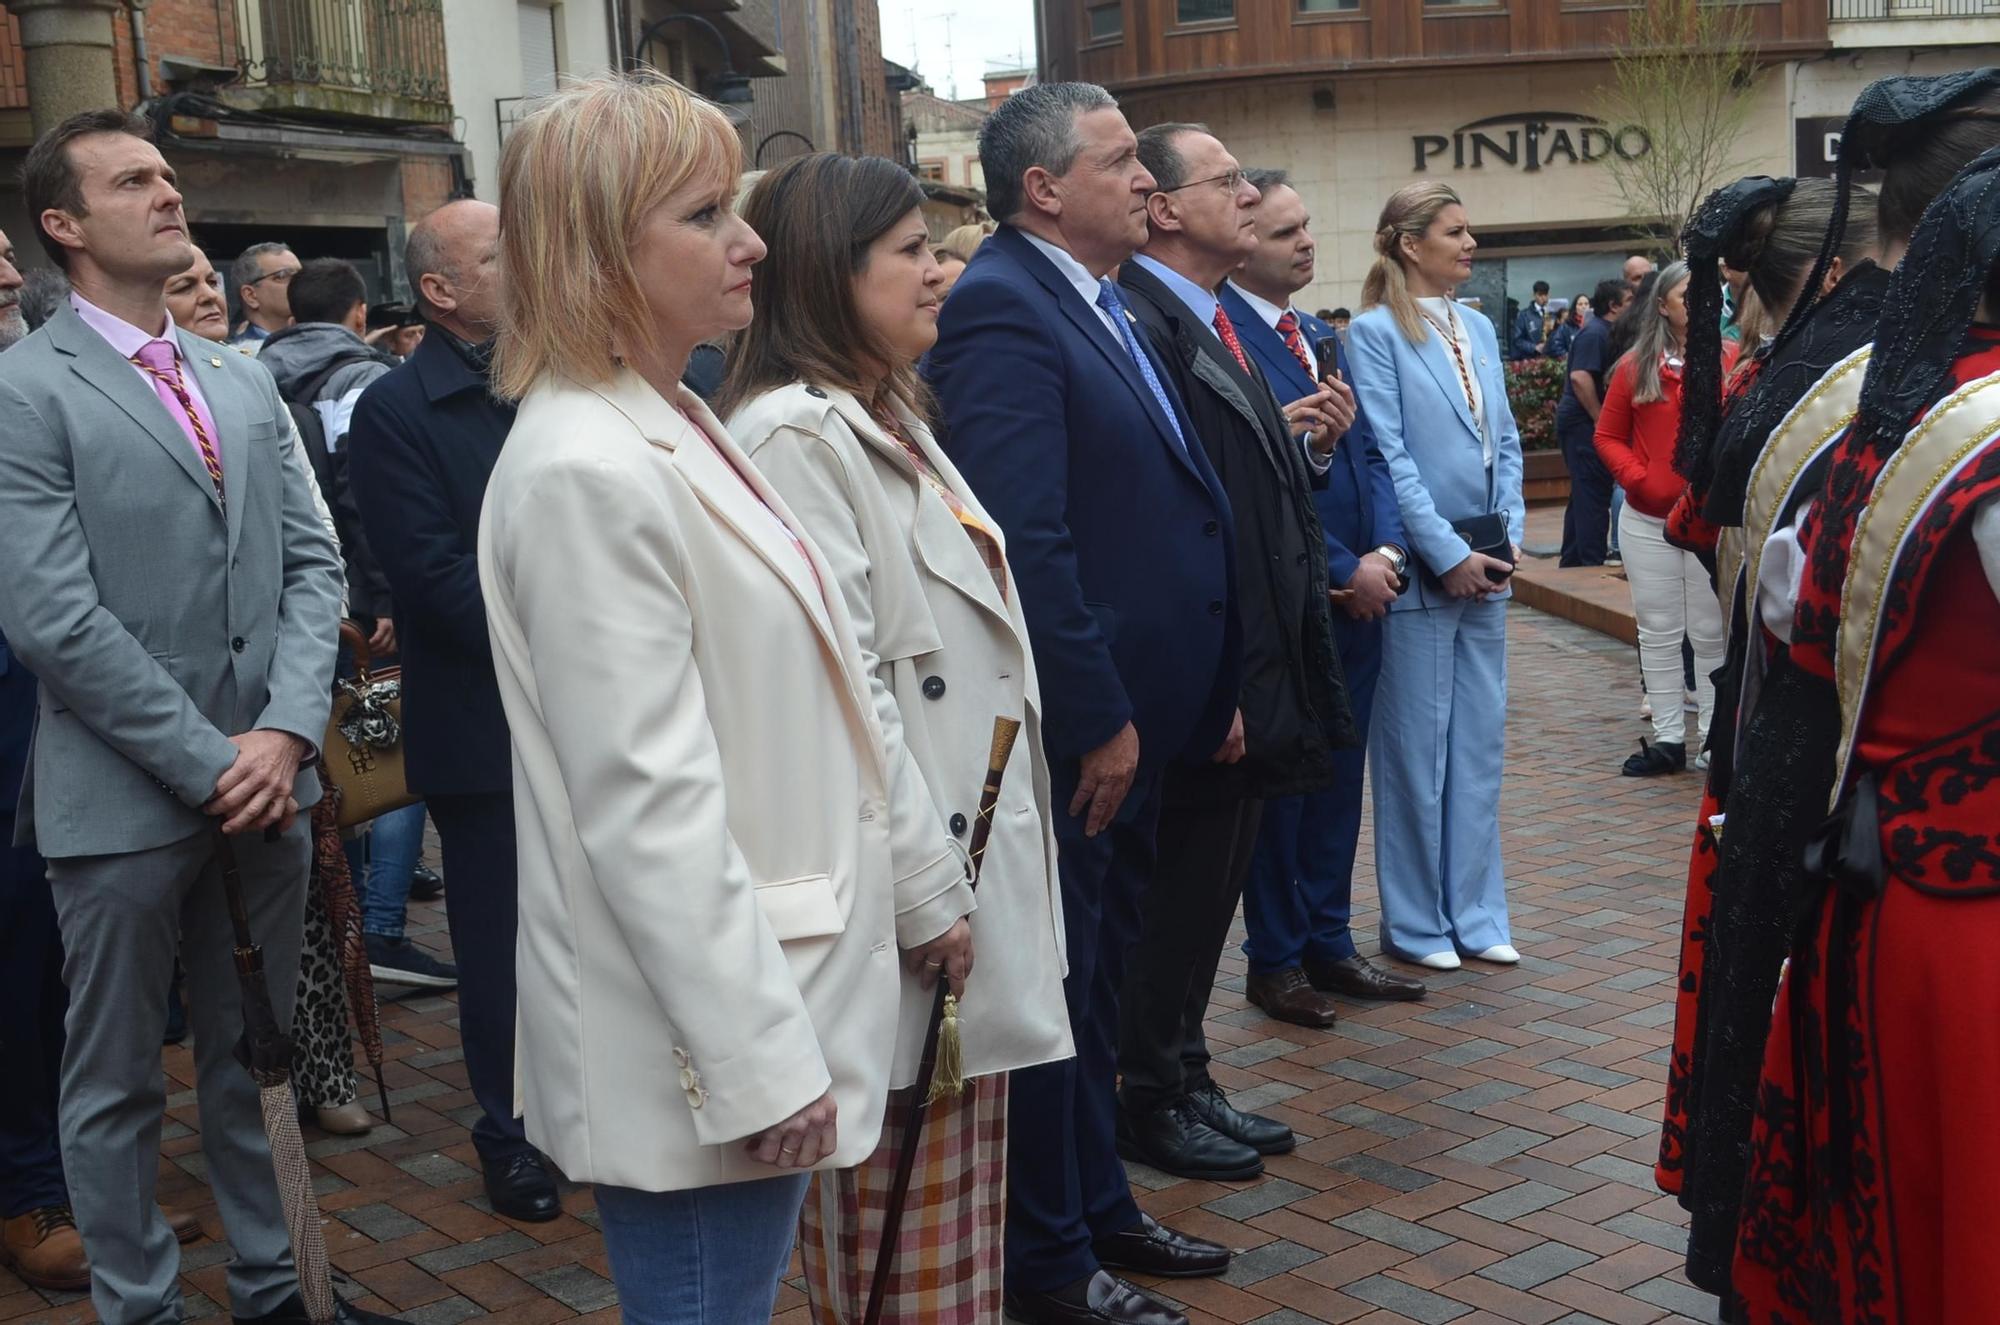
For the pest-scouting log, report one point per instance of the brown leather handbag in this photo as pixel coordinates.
(363, 749)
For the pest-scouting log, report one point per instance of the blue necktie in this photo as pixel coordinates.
(1108, 300)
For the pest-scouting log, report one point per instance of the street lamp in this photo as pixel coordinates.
(725, 87)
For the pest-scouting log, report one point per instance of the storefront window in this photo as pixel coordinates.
(1462, 4)
(1204, 11)
(1105, 22)
(1329, 6)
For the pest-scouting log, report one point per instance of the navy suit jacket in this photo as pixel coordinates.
(1119, 537)
(422, 444)
(20, 868)
(1527, 339)
(1357, 499)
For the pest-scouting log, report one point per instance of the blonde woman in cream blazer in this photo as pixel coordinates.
(921, 569)
(713, 853)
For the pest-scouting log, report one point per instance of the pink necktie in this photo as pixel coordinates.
(158, 360)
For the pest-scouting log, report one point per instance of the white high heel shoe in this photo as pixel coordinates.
(1503, 953)
(1440, 961)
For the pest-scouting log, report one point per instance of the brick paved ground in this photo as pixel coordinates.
(1481, 1157)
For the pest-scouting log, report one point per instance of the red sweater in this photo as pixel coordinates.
(1636, 442)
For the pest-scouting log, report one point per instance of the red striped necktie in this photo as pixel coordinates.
(1288, 327)
(1227, 331)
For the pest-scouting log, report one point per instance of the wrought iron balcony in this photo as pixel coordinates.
(1847, 11)
(346, 59)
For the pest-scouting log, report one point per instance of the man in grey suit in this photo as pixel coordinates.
(167, 579)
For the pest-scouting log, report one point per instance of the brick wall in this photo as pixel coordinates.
(13, 65)
(203, 30)
(426, 187)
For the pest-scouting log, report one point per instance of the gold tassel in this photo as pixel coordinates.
(948, 1076)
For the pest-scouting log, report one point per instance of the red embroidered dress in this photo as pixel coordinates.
(1875, 1153)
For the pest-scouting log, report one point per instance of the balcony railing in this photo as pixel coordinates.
(1844, 11)
(373, 48)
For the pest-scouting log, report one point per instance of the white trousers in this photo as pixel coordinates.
(1672, 598)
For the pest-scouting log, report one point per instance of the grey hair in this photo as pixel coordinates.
(244, 269)
(424, 255)
(1654, 336)
(42, 293)
(1034, 127)
(1161, 158)
(1264, 179)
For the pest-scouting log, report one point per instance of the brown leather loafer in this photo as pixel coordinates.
(1356, 977)
(1287, 995)
(45, 1250)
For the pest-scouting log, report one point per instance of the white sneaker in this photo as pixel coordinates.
(1503, 953)
(1440, 961)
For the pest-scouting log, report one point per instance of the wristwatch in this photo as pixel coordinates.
(1394, 555)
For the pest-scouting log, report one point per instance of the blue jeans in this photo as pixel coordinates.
(1617, 505)
(384, 863)
(707, 1256)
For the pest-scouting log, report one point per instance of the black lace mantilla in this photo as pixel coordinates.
(1844, 322)
(1714, 232)
(1925, 318)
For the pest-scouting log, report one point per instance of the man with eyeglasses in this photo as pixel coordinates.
(1291, 706)
(262, 276)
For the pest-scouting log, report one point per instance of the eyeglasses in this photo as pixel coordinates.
(283, 275)
(1230, 183)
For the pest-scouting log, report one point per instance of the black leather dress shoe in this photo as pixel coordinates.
(1356, 977)
(293, 1312)
(1151, 1247)
(1175, 1140)
(1099, 1298)
(522, 1188)
(1266, 1136)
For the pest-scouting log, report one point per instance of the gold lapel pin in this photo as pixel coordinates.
(215, 363)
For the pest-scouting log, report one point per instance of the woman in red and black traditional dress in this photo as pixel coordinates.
(1770, 229)
(1875, 1152)
(1919, 130)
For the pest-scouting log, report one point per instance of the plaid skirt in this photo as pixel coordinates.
(947, 1268)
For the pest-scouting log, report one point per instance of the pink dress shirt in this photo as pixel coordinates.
(128, 340)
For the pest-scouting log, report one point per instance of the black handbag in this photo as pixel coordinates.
(1486, 534)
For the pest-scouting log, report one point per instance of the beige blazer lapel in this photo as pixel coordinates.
(947, 552)
(734, 499)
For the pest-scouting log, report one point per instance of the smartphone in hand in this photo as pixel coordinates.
(1326, 354)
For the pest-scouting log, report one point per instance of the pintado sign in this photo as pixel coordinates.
(1529, 142)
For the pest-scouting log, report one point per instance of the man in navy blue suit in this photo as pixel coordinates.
(422, 445)
(1299, 896)
(41, 1235)
(1120, 539)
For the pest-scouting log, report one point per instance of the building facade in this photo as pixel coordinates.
(1359, 97)
(325, 124)
(817, 80)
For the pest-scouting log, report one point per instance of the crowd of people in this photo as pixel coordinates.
(720, 551)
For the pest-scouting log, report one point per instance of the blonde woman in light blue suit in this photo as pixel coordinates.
(1428, 373)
